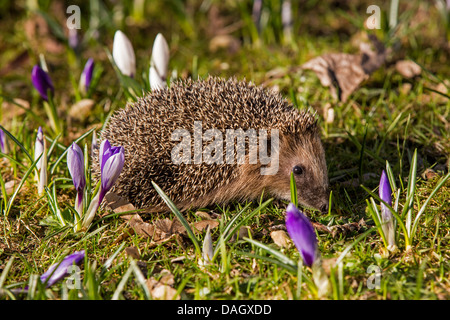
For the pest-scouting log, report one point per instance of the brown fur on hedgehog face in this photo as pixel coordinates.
(305, 157)
(300, 150)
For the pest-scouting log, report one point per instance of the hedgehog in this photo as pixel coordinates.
(196, 141)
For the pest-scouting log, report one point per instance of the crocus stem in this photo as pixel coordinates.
(79, 208)
(52, 115)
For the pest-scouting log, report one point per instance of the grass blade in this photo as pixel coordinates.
(422, 209)
(390, 176)
(17, 142)
(52, 169)
(13, 197)
(226, 235)
(294, 199)
(180, 217)
(122, 284)
(410, 193)
(376, 218)
(277, 254)
(5, 271)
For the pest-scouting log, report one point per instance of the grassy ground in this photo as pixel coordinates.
(387, 118)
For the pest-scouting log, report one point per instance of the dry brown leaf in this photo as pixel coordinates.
(429, 174)
(347, 228)
(9, 186)
(162, 289)
(119, 205)
(202, 225)
(18, 62)
(327, 264)
(243, 233)
(320, 227)
(163, 292)
(12, 110)
(167, 277)
(81, 109)
(408, 68)
(344, 72)
(169, 227)
(280, 238)
(132, 252)
(182, 258)
(203, 215)
(39, 35)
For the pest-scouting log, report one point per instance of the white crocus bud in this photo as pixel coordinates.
(41, 166)
(207, 250)
(123, 54)
(159, 63)
(156, 82)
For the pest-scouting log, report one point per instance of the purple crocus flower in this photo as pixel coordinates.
(75, 163)
(86, 75)
(388, 226)
(385, 192)
(111, 165)
(42, 82)
(73, 39)
(302, 234)
(52, 276)
(2, 141)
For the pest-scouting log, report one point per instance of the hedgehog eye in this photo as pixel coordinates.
(298, 170)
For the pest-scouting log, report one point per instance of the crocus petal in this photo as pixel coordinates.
(2, 141)
(73, 39)
(123, 54)
(111, 170)
(156, 82)
(160, 56)
(208, 249)
(41, 165)
(104, 153)
(385, 195)
(41, 81)
(302, 234)
(61, 268)
(388, 226)
(39, 146)
(75, 163)
(86, 75)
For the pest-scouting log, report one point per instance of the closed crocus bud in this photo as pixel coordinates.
(302, 234)
(159, 63)
(388, 226)
(86, 75)
(75, 163)
(207, 250)
(74, 41)
(123, 54)
(3, 142)
(156, 82)
(41, 166)
(58, 271)
(42, 82)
